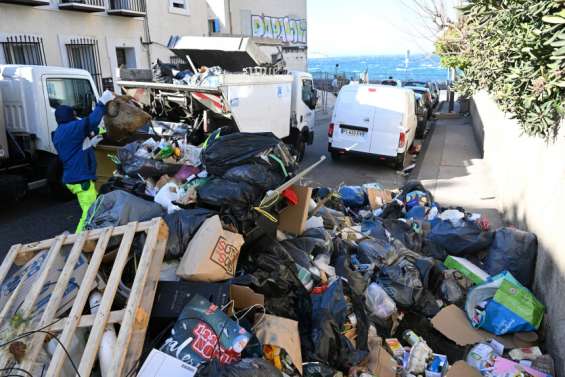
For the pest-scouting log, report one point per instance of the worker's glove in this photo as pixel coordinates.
(106, 97)
(91, 142)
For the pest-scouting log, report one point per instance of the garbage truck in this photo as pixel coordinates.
(232, 82)
(28, 98)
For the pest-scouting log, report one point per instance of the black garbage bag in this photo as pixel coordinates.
(318, 370)
(513, 250)
(134, 166)
(235, 198)
(162, 72)
(239, 148)
(405, 233)
(134, 186)
(259, 175)
(393, 211)
(269, 269)
(310, 246)
(320, 234)
(183, 225)
(120, 208)
(329, 315)
(243, 368)
(459, 241)
(401, 281)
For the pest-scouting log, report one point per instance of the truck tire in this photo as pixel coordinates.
(300, 147)
(399, 162)
(57, 190)
(12, 188)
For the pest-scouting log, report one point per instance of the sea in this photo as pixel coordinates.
(380, 67)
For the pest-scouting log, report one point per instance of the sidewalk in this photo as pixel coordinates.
(452, 169)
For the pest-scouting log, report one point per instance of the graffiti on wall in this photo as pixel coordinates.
(284, 29)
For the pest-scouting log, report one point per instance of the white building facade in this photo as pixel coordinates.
(102, 35)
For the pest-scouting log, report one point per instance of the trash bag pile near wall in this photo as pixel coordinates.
(349, 270)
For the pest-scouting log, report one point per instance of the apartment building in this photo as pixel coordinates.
(102, 35)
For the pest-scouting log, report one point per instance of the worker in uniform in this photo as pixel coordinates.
(74, 140)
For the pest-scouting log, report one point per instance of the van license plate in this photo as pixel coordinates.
(356, 133)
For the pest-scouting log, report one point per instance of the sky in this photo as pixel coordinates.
(366, 27)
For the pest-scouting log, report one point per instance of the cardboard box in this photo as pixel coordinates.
(212, 254)
(160, 364)
(467, 268)
(385, 365)
(453, 323)
(280, 332)
(245, 297)
(378, 198)
(462, 369)
(293, 218)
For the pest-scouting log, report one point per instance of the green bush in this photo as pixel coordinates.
(515, 49)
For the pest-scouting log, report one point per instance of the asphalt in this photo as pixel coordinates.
(39, 216)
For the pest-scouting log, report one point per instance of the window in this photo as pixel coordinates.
(307, 91)
(23, 49)
(179, 6)
(125, 57)
(83, 53)
(213, 26)
(76, 93)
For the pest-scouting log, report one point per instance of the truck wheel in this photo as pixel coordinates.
(399, 162)
(57, 189)
(300, 147)
(335, 156)
(12, 188)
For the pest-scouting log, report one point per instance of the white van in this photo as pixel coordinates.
(375, 120)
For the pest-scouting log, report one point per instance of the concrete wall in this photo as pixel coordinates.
(529, 176)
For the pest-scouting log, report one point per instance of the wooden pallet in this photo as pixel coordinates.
(133, 319)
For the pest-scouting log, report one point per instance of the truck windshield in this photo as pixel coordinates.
(76, 93)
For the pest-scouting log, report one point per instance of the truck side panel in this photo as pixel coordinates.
(261, 107)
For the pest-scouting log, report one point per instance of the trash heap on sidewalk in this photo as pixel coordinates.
(261, 279)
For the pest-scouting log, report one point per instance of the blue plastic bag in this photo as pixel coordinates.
(353, 196)
(461, 240)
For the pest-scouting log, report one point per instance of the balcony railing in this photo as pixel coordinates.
(26, 2)
(83, 5)
(127, 8)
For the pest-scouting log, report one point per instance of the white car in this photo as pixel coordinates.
(375, 120)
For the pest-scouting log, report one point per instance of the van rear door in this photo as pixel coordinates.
(388, 119)
(353, 117)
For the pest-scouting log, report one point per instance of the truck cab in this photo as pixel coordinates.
(29, 96)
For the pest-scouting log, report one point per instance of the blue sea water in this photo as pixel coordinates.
(420, 67)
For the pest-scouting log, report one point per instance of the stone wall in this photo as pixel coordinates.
(529, 178)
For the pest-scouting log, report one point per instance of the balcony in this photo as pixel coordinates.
(127, 8)
(26, 2)
(89, 6)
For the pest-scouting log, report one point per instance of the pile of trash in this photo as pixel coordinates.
(266, 277)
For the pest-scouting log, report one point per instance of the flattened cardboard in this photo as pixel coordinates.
(283, 333)
(453, 323)
(378, 198)
(462, 369)
(293, 218)
(244, 297)
(212, 254)
(386, 365)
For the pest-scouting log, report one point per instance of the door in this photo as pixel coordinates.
(77, 92)
(390, 113)
(353, 119)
